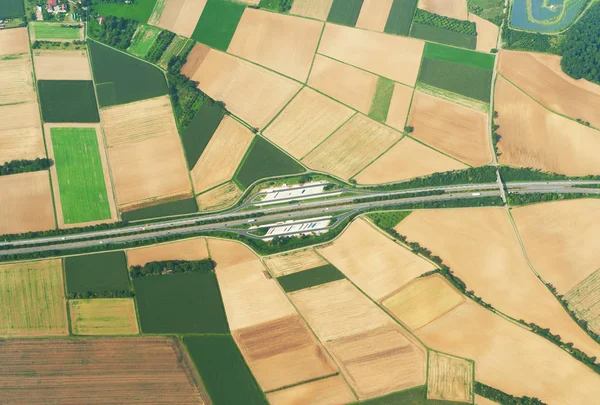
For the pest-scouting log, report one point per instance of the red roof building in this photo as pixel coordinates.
(52, 3)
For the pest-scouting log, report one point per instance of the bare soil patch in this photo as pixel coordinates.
(479, 400)
(16, 80)
(399, 106)
(449, 378)
(62, 65)
(21, 132)
(219, 197)
(318, 9)
(374, 14)
(181, 16)
(187, 249)
(14, 41)
(293, 262)
(194, 59)
(487, 33)
(329, 391)
(453, 9)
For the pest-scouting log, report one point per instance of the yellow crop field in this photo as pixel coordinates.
(219, 198)
(16, 80)
(374, 14)
(103, 316)
(318, 9)
(399, 106)
(584, 299)
(487, 33)
(293, 262)
(187, 249)
(328, 391)
(14, 41)
(21, 132)
(449, 378)
(62, 65)
(453, 9)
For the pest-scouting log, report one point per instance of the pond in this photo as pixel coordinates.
(545, 15)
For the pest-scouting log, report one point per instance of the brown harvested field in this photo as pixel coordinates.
(405, 160)
(145, 152)
(541, 77)
(26, 203)
(284, 43)
(251, 92)
(16, 80)
(62, 65)
(194, 59)
(372, 261)
(103, 316)
(283, 352)
(584, 299)
(451, 128)
(181, 16)
(250, 296)
(329, 391)
(399, 106)
(306, 121)
(405, 304)
(14, 41)
(532, 136)
(374, 14)
(381, 361)
(487, 33)
(482, 249)
(453, 9)
(222, 155)
(500, 348)
(479, 400)
(187, 249)
(337, 309)
(21, 132)
(449, 378)
(32, 302)
(561, 240)
(371, 51)
(345, 83)
(219, 198)
(352, 147)
(318, 9)
(96, 371)
(293, 262)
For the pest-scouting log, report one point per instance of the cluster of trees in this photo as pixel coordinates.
(495, 135)
(532, 198)
(492, 12)
(527, 41)
(502, 397)
(580, 47)
(24, 166)
(160, 45)
(527, 174)
(582, 122)
(102, 294)
(53, 44)
(171, 267)
(115, 31)
(451, 24)
(77, 26)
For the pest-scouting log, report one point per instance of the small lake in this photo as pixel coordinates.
(546, 15)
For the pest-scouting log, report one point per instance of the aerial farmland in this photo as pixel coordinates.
(300, 202)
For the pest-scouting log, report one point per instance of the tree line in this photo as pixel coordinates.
(172, 267)
(25, 166)
(502, 397)
(101, 294)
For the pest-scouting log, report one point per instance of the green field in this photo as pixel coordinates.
(491, 10)
(382, 99)
(218, 23)
(443, 36)
(96, 273)
(178, 207)
(68, 101)
(462, 56)
(143, 40)
(11, 8)
(180, 303)
(265, 160)
(413, 396)
(223, 370)
(121, 78)
(388, 220)
(80, 176)
(54, 31)
(400, 17)
(466, 80)
(345, 12)
(176, 47)
(310, 278)
(197, 135)
(138, 10)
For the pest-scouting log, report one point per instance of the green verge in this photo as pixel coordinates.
(458, 78)
(413, 396)
(345, 12)
(462, 56)
(491, 10)
(11, 8)
(175, 48)
(218, 23)
(279, 6)
(68, 101)
(81, 182)
(310, 278)
(443, 35)
(180, 303)
(54, 31)
(139, 10)
(382, 99)
(179, 207)
(265, 160)
(143, 40)
(196, 136)
(400, 18)
(388, 220)
(527, 174)
(121, 78)
(96, 273)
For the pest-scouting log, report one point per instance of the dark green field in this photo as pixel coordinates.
(345, 12)
(462, 56)
(400, 17)
(11, 8)
(413, 396)
(223, 370)
(382, 99)
(68, 101)
(180, 303)
(388, 220)
(139, 10)
(462, 79)
(443, 36)
(218, 23)
(97, 273)
(197, 135)
(310, 278)
(178, 207)
(121, 78)
(265, 160)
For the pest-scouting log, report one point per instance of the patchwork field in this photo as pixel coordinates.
(33, 300)
(219, 197)
(306, 121)
(370, 51)
(68, 101)
(142, 40)
(293, 262)
(14, 41)
(481, 248)
(451, 128)
(180, 16)
(374, 14)
(542, 78)
(56, 31)
(104, 316)
(405, 160)
(222, 156)
(310, 278)
(153, 366)
(345, 83)
(249, 91)
(218, 23)
(453, 9)
(400, 17)
(399, 106)
(145, 152)
(26, 203)
(584, 300)
(487, 33)
(194, 59)
(329, 391)
(318, 9)
(197, 135)
(96, 273)
(140, 10)
(353, 146)
(286, 44)
(449, 378)
(179, 45)
(62, 65)
(173, 206)
(372, 261)
(553, 143)
(187, 249)
(16, 80)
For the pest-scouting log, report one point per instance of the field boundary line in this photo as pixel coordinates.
(283, 108)
(330, 135)
(443, 153)
(285, 387)
(212, 188)
(312, 63)
(402, 136)
(261, 66)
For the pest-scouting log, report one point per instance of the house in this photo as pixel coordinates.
(51, 4)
